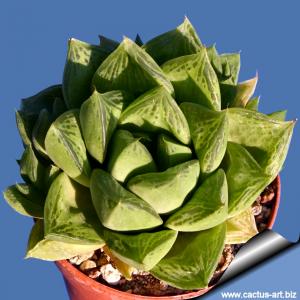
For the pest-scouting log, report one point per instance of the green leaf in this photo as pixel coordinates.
(128, 156)
(39, 132)
(156, 111)
(142, 251)
(241, 228)
(166, 191)
(278, 115)
(31, 169)
(209, 131)
(82, 62)
(69, 213)
(42, 100)
(99, 116)
(253, 104)
(246, 179)
(119, 209)
(50, 174)
(193, 259)
(267, 139)
(108, 45)
(238, 95)
(207, 208)
(138, 40)
(131, 69)
(52, 250)
(231, 68)
(25, 123)
(25, 200)
(194, 79)
(58, 108)
(65, 147)
(183, 40)
(171, 153)
(215, 60)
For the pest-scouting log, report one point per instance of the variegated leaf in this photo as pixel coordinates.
(143, 250)
(156, 111)
(267, 139)
(253, 104)
(31, 169)
(183, 40)
(279, 115)
(128, 157)
(82, 62)
(245, 177)
(65, 147)
(131, 69)
(119, 209)
(170, 152)
(25, 200)
(193, 259)
(194, 79)
(209, 131)
(69, 213)
(166, 191)
(207, 208)
(99, 116)
(53, 250)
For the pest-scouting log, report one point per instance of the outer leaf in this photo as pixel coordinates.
(66, 148)
(278, 115)
(131, 69)
(194, 79)
(125, 269)
(155, 111)
(138, 40)
(99, 116)
(209, 131)
(253, 104)
(241, 228)
(128, 156)
(42, 100)
(40, 130)
(246, 179)
(25, 124)
(69, 213)
(41, 248)
(207, 208)
(193, 259)
(82, 62)
(142, 251)
(25, 200)
(238, 95)
(267, 139)
(166, 191)
(171, 153)
(119, 209)
(183, 40)
(58, 108)
(108, 45)
(31, 169)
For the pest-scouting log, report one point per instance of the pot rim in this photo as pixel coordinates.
(65, 266)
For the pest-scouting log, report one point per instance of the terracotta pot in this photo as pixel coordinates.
(81, 287)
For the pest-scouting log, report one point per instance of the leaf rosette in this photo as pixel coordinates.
(153, 151)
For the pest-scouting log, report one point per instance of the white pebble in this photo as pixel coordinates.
(110, 274)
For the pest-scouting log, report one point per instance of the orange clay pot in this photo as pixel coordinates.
(81, 287)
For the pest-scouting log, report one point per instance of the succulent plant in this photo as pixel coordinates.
(154, 150)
